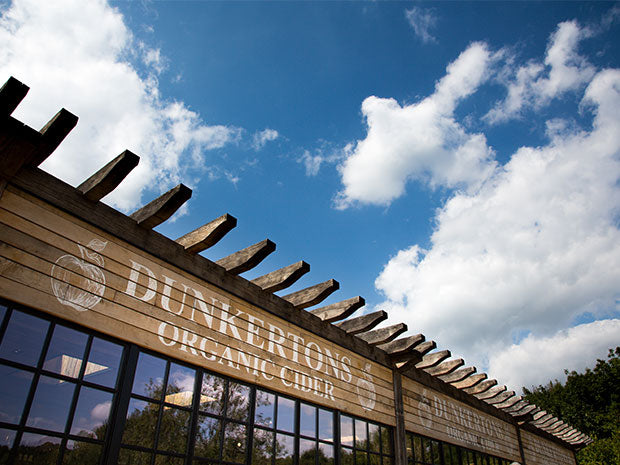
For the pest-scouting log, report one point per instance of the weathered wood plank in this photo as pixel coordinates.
(52, 134)
(500, 398)
(282, 278)
(445, 367)
(401, 346)
(339, 310)
(363, 323)
(400, 433)
(470, 381)
(383, 335)
(540, 415)
(11, 94)
(482, 387)
(109, 177)
(162, 208)
(458, 375)
(312, 295)
(246, 259)
(434, 359)
(416, 355)
(508, 402)
(525, 413)
(490, 393)
(207, 235)
(516, 407)
(426, 347)
(18, 143)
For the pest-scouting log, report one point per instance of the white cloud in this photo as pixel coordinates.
(536, 360)
(422, 22)
(78, 54)
(100, 412)
(536, 84)
(262, 137)
(421, 141)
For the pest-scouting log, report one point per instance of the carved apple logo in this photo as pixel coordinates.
(366, 390)
(78, 283)
(424, 405)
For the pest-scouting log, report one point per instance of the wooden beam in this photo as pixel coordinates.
(517, 406)
(52, 134)
(312, 295)
(11, 94)
(339, 310)
(431, 360)
(470, 381)
(500, 398)
(107, 178)
(489, 394)
(401, 346)
(162, 208)
(555, 423)
(425, 348)
(482, 387)
(508, 402)
(207, 235)
(417, 355)
(458, 375)
(282, 278)
(363, 323)
(383, 335)
(525, 412)
(445, 367)
(248, 258)
(540, 415)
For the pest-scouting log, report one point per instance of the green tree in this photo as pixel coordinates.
(590, 402)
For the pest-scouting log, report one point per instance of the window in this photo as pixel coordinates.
(425, 451)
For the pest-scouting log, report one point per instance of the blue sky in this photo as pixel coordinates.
(455, 163)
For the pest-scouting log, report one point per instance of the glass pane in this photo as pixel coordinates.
(235, 438)
(212, 394)
(168, 460)
(326, 454)
(360, 435)
(66, 352)
(374, 436)
(262, 447)
(50, 407)
(346, 430)
(285, 449)
(13, 392)
(417, 448)
(91, 414)
(140, 424)
(263, 413)
(173, 430)
(307, 452)
(447, 454)
(39, 449)
(307, 420)
(387, 460)
(208, 437)
(23, 338)
(374, 459)
(326, 425)
(286, 414)
(103, 362)
(149, 377)
(386, 440)
(82, 453)
(238, 407)
(346, 456)
(180, 389)
(2, 312)
(361, 458)
(7, 437)
(133, 457)
(435, 457)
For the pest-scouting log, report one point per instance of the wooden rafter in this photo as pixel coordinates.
(207, 235)
(109, 177)
(339, 310)
(246, 259)
(162, 208)
(363, 323)
(445, 367)
(470, 381)
(481, 387)
(458, 375)
(489, 394)
(282, 278)
(383, 335)
(11, 94)
(312, 295)
(433, 359)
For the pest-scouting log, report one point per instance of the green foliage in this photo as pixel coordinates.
(590, 402)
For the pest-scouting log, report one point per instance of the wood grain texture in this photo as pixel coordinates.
(508, 402)
(52, 134)
(363, 323)
(470, 381)
(339, 310)
(207, 235)
(482, 387)
(312, 295)
(402, 345)
(11, 94)
(383, 335)
(416, 357)
(246, 259)
(434, 359)
(109, 177)
(282, 278)
(445, 367)
(162, 208)
(500, 398)
(458, 375)
(489, 394)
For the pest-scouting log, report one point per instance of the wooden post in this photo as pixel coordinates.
(400, 436)
(518, 428)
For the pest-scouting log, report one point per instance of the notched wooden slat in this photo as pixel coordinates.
(434, 359)
(362, 323)
(109, 177)
(207, 235)
(11, 94)
(482, 387)
(339, 310)
(401, 346)
(416, 355)
(312, 295)
(458, 375)
(445, 367)
(524, 414)
(471, 381)
(489, 394)
(52, 134)
(162, 208)
(383, 335)
(248, 258)
(282, 278)
(500, 398)
(425, 347)
(508, 402)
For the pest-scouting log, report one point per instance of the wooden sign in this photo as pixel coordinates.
(436, 415)
(54, 262)
(540, 451)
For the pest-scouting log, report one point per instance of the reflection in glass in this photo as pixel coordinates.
(39, 449)
(103, 354)
(262, 447)
(140, 424)
(7, 437)
(286, 414)
(81, 453)
(360, 434)
(2, 312)
(173, 430)
(238, 407)
(361, 458)
(417, 447)
(180, 389)
(326, 454)
(65, 352)
(386, 440)
(307, 452)
(208, 437)
(23, 338)
(50, 406)
(168, 460)
(263, 411)
(13, 392)
(235, 438)
(374, 459)
(285, 449)
(326, 425)
(212, 394)
(149, 377)
(374, 437)
(91, 414)
(307, 420)
(346, 456)
(346, 430)
(133, 457)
